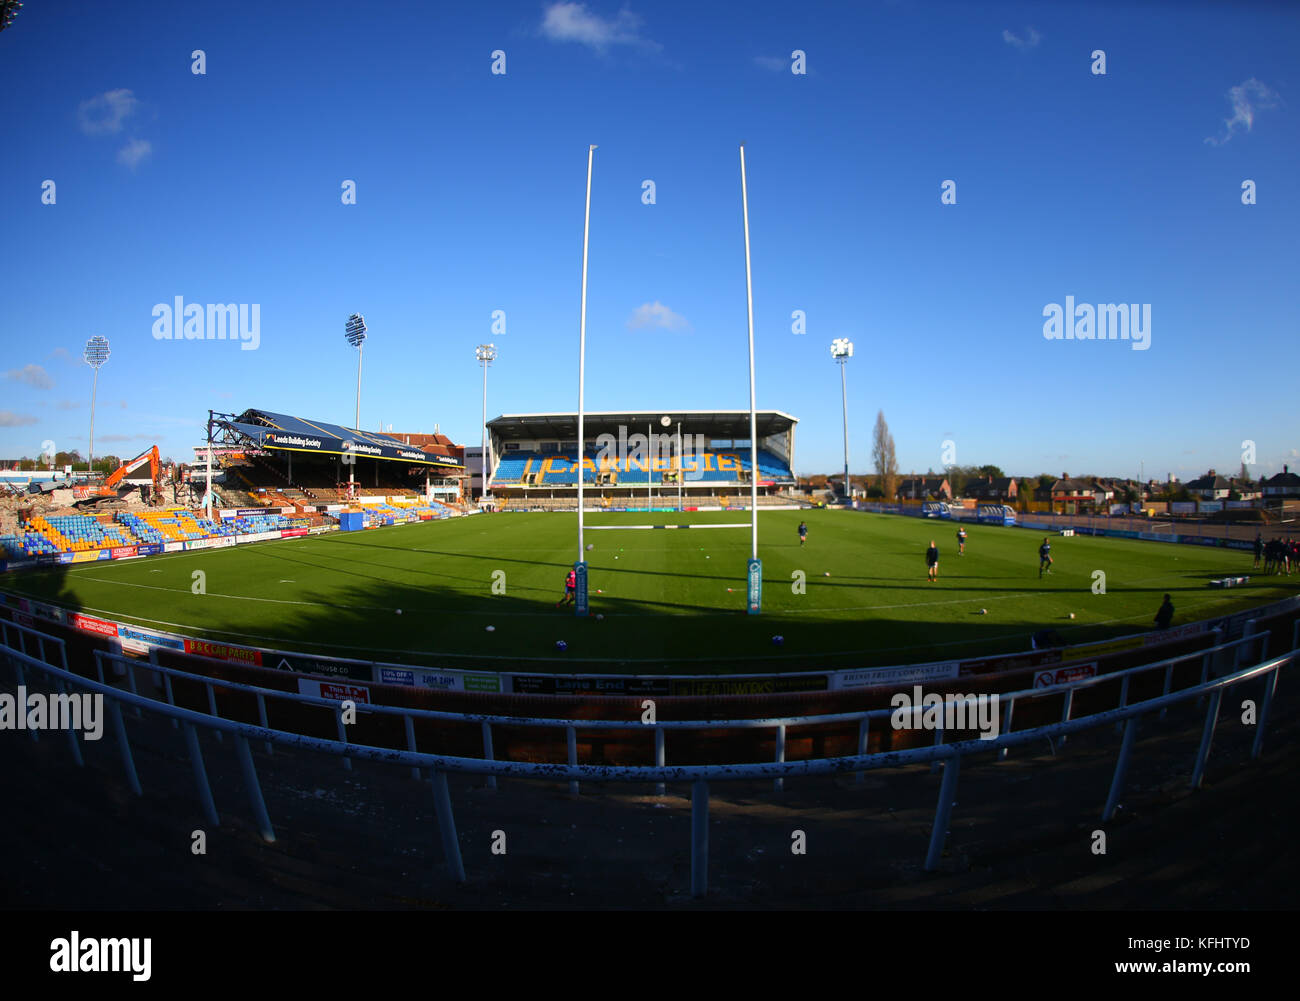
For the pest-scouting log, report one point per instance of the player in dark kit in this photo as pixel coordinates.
(1259, 549)
(803, 532)
(932, 562)
(570, 589)
(961, 542)
(1044, 557)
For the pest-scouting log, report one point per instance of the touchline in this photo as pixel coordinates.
(38, 711)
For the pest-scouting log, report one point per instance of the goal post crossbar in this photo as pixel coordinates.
(619, 528)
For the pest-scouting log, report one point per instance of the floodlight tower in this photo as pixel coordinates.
(8, 11)
(842, 351)
(96, 354)
(486, 355)
(354, 331)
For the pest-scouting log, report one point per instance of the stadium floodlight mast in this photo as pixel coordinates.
(354, 331)
(486, 355)
(8, 11)
(842, 351)
(96, 354)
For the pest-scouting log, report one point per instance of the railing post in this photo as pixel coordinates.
(660, 788)
(863, 726)
(571, 735)
(1207, 737)
(343, 736)
(263, 723)
(409, 724)
(1270, 687)
(1169, 680)
(943, 811)
(129, 667)
(779, 783)
(935, 765)
(1123, 700)
(212, 707)
(1121, 769)
(22, 680)
(167, 684)
(1006, 727)
(447, 826)
(1066, 710)
(699, 838)
(487, 752)
(201, 775)
(71, 731)
(124, 745)
(254, 788)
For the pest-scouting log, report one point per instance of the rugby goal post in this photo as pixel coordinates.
(754, 568)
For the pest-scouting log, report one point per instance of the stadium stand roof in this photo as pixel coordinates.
(281, 432)
(717, 423)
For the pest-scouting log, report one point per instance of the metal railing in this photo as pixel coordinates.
(949, 755)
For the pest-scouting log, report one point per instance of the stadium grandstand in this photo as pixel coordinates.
(277, 457)
(691, 458)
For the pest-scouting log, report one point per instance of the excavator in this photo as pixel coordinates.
(109, 486)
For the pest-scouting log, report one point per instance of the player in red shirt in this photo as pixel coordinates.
(570, 589)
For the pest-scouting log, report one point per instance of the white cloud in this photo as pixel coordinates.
(9, 419)
(105, 113)
(68, 405)
(134, 152)
(63, 354)
(773, 63)
(656, 314)
(573, 22)
(1247, 99)
(33, 375)
(1031, 39)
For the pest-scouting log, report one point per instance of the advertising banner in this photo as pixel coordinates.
(333, 690)
(173, 547)
(140, 640)
(223, 651)
(915, 674)
(149, 549)
(308, 664)
(90, 624)
(123, 552)
(1064, 675)
(292, 533)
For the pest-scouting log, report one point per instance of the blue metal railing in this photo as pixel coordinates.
(700, 776)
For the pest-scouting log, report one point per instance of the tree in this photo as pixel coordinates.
(884, 456)
(990, 470)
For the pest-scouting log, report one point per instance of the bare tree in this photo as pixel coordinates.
(882, 454)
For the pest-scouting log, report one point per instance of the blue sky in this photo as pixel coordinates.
(226, 187)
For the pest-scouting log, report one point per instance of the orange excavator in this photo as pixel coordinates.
(109, 487)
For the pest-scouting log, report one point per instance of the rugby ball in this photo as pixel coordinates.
(1071, 615)
(399, 611)
(599, 617)
(490, 629)
(590, 546)
(561, 645)
(778, 640)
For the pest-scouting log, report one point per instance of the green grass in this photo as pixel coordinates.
(664, 594)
